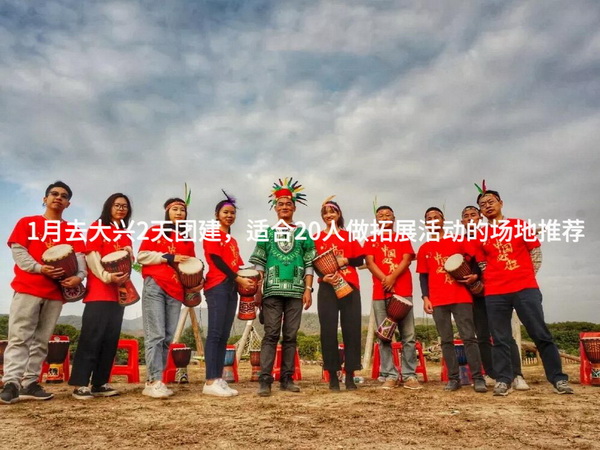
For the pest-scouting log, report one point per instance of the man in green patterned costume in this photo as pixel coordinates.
(283, 256)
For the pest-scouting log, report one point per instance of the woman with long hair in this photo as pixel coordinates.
(162, 248)
(350, 255)
(102, 315)
(223, 259)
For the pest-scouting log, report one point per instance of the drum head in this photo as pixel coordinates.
(57, 252)
(191, 266)
(454, 262)
(114, 256)
(248, 273)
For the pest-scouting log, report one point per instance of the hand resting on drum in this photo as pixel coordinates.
(180, 258)
(245, 283)
(71, 281)
(119, 278)
(469, 279)
(332, 279)
(52, 272)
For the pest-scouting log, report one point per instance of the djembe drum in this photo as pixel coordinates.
(397, 308)
(247, 310)
(327, 264)
(57, 353)
(181, 358)
(458, 268)
(120, 261)
(228, 374)
(190, 274)
(591, 346)
(255, 363)
(3, 345)
(63, 256)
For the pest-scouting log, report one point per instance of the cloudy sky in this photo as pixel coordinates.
(356, 98)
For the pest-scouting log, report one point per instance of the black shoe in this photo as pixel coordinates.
(82, 393)
(10, 393)
(479, 385)
(334, 383)
(264, 389)
(35, 392)
(104, 391)
(453, 385)
(287, 384)
(350, 384)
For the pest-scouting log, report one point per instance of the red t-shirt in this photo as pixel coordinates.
(227, 248)
(163, 274)
(443, 288)
(112, 241)
(509, 267)
(388, 256)
(343, 246)
(37, 284)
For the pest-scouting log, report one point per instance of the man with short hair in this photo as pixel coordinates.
(37, 301)
(283, 257)
(471, 217)
(512, 256)
(388, 258)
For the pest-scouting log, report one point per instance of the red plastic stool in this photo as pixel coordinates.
(396, 352)
(585, 366)
(277, 366)
(325, 373)
(132, 369)
(66, 362)
(231, 349)
(171, 370)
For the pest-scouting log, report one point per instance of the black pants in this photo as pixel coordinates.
(463, 317)
(482, 329)
(282, 315)
(100, 330)
(349, 311)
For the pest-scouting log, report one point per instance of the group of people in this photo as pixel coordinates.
(284, 260)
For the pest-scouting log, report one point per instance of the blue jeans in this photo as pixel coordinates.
(222, 303)
(409, 353)
(528, 305)
(160, 313)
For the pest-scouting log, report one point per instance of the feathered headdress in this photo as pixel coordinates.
(482, 190)
(375, 206)
(327, 202)
(229, 199)
(287, 188)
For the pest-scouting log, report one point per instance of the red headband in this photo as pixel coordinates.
(175, 203)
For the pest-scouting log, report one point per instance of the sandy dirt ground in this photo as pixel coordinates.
(315, 418)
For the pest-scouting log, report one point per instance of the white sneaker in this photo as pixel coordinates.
(216, 389)
(156, 389)
(489, 381)
(227, 387)
(519, 384)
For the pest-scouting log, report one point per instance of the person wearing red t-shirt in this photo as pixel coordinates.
(102, 315)
(37, 301)
(220, 289)
(162, 296)
(388, 258)
(350, 255)
(512, 257)
(471, 218)
(444, 297)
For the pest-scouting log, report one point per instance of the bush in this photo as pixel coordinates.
(309, 347)
(566, 334)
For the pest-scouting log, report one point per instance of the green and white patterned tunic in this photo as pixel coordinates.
(286, 256)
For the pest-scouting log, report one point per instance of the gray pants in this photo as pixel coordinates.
(407, 333)
(463, 316)
(30, 325)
